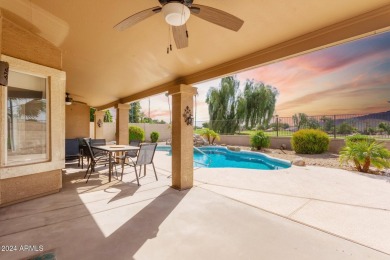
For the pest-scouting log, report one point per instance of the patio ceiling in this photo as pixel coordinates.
(104, 65)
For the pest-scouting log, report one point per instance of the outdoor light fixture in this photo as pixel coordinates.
(176, 14)
(188, 118)
(68, 100)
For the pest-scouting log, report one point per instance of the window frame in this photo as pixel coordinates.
(48, 158)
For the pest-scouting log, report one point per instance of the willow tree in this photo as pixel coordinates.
(260, 103)
(226, 106)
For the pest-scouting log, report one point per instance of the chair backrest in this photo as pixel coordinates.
(135, 143)
(133, 153)
(146, 154)
(88, 150)
(72, 147)
(98, 142)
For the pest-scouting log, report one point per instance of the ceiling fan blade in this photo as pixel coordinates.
(136, 18)
(217, 17)
(181, 36)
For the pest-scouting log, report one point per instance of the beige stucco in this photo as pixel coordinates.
(182, 138)
(21, 182)
(244, 140)
(26, 174)
(122, 124)
(120, 65)
(99, 119)
(77, 120)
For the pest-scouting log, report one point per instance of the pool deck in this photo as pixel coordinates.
(294, 213)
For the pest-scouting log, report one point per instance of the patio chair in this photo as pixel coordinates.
(94, 160)
(145, 157)
(72, 150)
(97, 142)
(132, 153)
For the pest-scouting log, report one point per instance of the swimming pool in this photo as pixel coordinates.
(221, 157)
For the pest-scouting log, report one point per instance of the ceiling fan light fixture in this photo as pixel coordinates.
(176, 14)
(68, 100)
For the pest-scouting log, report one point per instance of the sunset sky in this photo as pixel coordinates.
(352, 78)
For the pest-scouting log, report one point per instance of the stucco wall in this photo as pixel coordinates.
(244, 140)
(76, 120)
(22, 182)
(109, 130)
(163, 129)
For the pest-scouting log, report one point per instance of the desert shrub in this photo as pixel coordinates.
(310, 141)
(136, 133)
(345, 129)
(210, 135)
(260, 140)
(358, 138)
(383, 127)
(364, 153)
(154, 137)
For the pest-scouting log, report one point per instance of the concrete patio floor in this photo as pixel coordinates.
(296, 213)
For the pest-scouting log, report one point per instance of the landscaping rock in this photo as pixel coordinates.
(234, 148)
(385, 172)
(299, 162)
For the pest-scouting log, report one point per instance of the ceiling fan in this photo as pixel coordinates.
(176, 14)
(69, 100)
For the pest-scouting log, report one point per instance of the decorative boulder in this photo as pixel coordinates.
(234, 148)
(299, 162)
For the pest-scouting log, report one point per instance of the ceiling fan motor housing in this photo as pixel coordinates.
(187, 3)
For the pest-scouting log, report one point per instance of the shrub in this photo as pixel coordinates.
(310, 141)
(210, 135)
(136, 133)
(154, 137)
(358, 138)
(364, 153)
(383, 127)
(345, 129)
(260, 140)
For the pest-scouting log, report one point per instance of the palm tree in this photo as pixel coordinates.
(210, 135)
(364, 153)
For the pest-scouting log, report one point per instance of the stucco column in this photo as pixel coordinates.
(3, 125)
(122, 124)
(99, 119)
(182, 137)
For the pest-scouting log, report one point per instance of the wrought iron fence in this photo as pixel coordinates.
(337, 126)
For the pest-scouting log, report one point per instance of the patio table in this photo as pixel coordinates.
(112, 149)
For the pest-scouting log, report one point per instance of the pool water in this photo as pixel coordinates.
(221, 157)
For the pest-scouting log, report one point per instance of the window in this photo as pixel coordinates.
(27, 119)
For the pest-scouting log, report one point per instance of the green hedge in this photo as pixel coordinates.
(260, 140)
(136, 133)
(310, 141)
(154, 137)
(358, 138)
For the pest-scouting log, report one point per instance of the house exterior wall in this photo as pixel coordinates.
(33, 55)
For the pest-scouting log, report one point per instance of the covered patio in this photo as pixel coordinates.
(228, 214)
(58, 47)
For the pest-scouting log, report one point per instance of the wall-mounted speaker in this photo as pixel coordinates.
(4, 67)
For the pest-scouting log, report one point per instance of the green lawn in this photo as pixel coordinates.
(271, 133)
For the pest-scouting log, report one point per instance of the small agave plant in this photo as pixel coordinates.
(364, 154)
